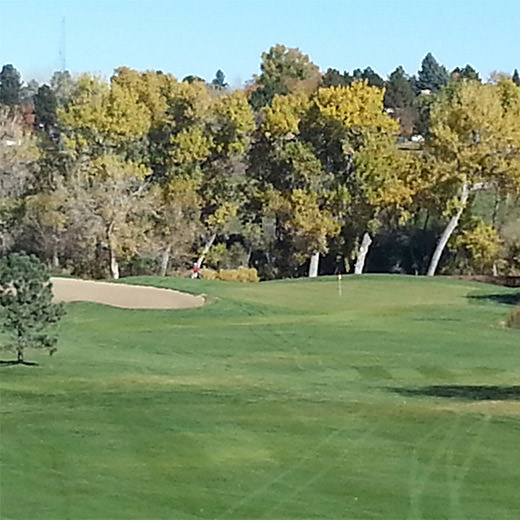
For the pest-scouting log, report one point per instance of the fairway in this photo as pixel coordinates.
(385, 397)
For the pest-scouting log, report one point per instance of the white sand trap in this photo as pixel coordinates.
(122, 295)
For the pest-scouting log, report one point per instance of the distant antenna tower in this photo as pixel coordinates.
(63, 46)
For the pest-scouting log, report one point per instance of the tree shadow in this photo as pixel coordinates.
(507, 298)
(464, 392)
(15, 362)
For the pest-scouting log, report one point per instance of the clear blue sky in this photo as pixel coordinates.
(200, 36)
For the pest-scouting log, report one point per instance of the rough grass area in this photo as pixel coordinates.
(380, 398)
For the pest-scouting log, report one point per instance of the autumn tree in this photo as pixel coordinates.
(18, 156)
(475, 144)
(295, 187)
(230, 127)
(176, 216)
(106, 126)
(355, 141)
(385, 181)
(111, 195)
(283, 70)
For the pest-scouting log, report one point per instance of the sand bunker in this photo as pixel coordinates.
(121, 295)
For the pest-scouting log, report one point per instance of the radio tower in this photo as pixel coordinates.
(63, 46)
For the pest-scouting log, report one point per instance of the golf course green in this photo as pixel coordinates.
(385, 397)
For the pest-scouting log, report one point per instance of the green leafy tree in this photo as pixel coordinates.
(10, 86)
(28, 314)
(432, 76)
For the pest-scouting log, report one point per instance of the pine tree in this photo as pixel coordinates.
(220, 80)
(516, 78)
(370, 76)
(467, 72)
(10, 86)
(45, 107)
(399, 92)
(432, 75)
(26, 303)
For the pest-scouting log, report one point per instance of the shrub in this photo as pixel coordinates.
(480, 245)
(242, 274)
(208, 274)
(513, 320)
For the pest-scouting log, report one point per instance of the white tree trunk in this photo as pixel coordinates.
(55, 259)
(207, 247)
(55, 254)
(314, 265)
(114, 266)
(362, 253)
(448, 231)
(165, 260)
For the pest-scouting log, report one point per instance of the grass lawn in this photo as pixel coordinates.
(385, 398)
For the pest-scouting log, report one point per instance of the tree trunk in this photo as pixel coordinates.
(207, 247)
(55, 257)
(165, 260)
(20, 356)
(446, 234)
(362, 253)
(314, 265)
(114, 266)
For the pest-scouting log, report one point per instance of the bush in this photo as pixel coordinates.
(242, 274)
(514, 318)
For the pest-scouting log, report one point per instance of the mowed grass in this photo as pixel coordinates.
(383, 397)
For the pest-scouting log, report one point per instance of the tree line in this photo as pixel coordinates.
(298, 172)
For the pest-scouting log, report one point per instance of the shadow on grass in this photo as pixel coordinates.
(465, 392)
(16, 362)
(508, 299)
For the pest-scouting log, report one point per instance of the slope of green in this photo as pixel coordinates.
(383, 397)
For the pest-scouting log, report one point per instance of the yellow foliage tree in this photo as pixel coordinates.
(476, 140)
